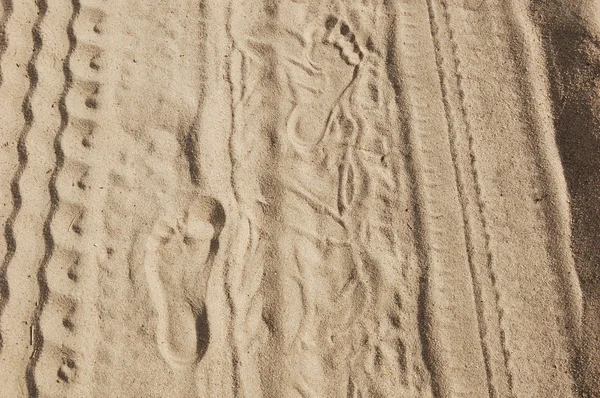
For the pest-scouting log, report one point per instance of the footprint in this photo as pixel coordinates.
(179, 256)
(334, 58)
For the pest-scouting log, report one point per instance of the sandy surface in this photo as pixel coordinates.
(300, 198)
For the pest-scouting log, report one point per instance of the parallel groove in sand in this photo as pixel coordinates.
(450, 376)
(505, 137)
(473, 172)
(461, 194)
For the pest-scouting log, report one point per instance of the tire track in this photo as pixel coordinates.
(63, 359)
(24, 226)
(25, 109)
(23, 156)
(49, 240)
(500, 128)
(7, 10)
(452, 347)
(468, 228)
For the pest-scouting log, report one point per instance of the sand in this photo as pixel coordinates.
(300, 198)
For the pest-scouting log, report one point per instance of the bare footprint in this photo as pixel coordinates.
(334, 58)
(179, 255)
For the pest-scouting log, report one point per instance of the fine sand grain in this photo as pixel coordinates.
(300, 198)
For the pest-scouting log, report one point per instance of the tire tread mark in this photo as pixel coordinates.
(28, 116)
(38, 337)
(473, 171)
(7, 8)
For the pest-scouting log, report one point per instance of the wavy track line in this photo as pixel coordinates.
(26, 109)
(54, 198)
(71, 206)
(236, 352)
(479, 203)
(7, 10)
